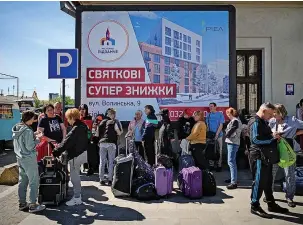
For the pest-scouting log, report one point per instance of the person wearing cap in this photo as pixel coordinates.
(148, 138)
(186, 122)
(166, 134)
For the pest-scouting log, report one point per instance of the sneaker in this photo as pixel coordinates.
(102, 183)
(109, 183)
(74, 201)
(257, 210)
(23, 206)
(265, 200)
(277, 209)
(227, 181)
(291, 203)
(33, 208)
(219, 169)
(232, 186)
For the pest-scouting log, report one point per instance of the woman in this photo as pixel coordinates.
(75, 144)
(148, 138)
(300, 117)
(34, 125)
(288, 127)
(166, 134)
(197, 139)
(52, 125)
(135, 132)
(186, 123)
(25, 141)
(232, 138)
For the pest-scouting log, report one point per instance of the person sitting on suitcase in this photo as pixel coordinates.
(75, 144)
(166, 134)
(25, 141)
(108, 134)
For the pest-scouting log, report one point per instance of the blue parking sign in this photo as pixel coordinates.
(63, 64)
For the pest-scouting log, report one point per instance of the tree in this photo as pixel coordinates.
(68, 101)
(175, 76)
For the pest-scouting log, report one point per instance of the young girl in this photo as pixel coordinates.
(25, 141)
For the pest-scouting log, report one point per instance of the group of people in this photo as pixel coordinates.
(263, 131)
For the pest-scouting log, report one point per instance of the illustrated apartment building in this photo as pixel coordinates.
(173, 49)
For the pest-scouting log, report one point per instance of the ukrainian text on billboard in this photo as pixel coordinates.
(168, 59)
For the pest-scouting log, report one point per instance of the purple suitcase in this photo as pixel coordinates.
(163, 180)
(190, 180)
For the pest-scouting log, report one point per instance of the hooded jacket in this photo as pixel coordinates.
(24, 141)
(149, 126)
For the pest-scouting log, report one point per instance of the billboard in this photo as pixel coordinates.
(168, 59)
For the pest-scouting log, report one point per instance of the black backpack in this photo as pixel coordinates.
(209, 186)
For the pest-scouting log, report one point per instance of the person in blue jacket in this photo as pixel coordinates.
(148, 138)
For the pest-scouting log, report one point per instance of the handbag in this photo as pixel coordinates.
(212, 150)
(210, 134)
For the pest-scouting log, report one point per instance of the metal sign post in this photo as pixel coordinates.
(63, 98)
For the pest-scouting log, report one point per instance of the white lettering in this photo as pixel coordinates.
(59, 64)
(129, 90)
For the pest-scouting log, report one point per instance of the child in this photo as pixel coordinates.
(24, 146)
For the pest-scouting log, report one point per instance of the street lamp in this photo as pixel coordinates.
(8, 77)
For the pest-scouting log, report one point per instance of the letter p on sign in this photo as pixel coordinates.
(62, 63)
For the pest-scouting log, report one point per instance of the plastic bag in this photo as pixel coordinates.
(287, 154)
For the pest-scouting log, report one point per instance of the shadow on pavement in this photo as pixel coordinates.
(93, 209)
(282, 200)
(290, 217)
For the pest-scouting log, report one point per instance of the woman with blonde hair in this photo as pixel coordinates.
(233, 136)
(197, 140)
(75, 144)
(288, 127)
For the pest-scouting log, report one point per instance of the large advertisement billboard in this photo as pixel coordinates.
(168, 59)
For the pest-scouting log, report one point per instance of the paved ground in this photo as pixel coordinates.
(228, 207)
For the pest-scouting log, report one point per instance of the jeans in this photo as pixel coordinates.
(75, 165)
(28, 176)
(290, 180)
(231, 159)
(219, 162)
(110, 150)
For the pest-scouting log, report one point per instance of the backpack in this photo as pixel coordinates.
(209, 186)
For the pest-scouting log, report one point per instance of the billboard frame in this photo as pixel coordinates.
(232, 36)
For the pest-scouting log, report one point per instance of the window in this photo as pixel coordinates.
(156, 78)
(186, 81)
(147, 65)
(180, 36)
(189, 48)
(198, 51)
(189, 56)
(176, 52)
(166, 80)
(198, 43)
(198, 58)
(189, 39)
(176, 34)
(6, 111)
(167, 31)
(186, 73)
(184, 38)
(168, 41)
(167, 70)
(184, 55)
(186, 89)
(167, 60)
(156, 58)
(186, 65)
(177, 62)
(184, 47)
(176, 44)
(156, 68)
(167, 50)
(146, 55)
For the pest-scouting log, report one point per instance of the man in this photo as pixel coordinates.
(58, 109)
(215, 121)
(263, 141)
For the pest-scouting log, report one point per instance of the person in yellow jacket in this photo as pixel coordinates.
(197, 139)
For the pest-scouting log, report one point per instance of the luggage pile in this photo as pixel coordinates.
(133, 177)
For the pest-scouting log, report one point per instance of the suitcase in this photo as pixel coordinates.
(190, 181)
(42, 149)
(123, 175)
(163, 179)
(53, 182)
(186, 160)
(209, 185)
(146, 192)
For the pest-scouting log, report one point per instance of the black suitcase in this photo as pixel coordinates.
(53, 182)
(123, 175)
